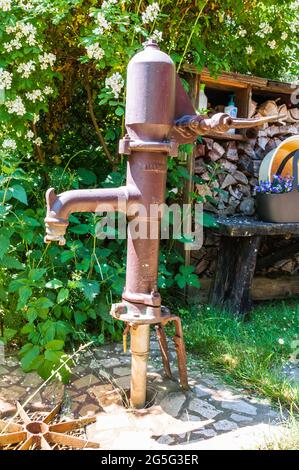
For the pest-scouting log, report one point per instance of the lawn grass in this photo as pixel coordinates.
(249, 353)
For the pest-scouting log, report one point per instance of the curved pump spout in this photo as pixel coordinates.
(61, 206)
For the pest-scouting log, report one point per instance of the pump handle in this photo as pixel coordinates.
(188, 128)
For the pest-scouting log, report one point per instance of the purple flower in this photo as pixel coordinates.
(278, 185)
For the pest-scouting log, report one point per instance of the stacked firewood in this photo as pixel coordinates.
(228, 186)
(227, 172)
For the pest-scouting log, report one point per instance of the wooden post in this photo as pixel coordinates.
(234, 274)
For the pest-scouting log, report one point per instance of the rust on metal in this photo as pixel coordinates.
(41, 434)
(159, 116)
(164, 349)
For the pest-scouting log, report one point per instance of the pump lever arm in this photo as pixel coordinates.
(188, 128)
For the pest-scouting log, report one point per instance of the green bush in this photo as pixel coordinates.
(62, 77)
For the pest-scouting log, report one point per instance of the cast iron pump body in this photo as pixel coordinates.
(159, 116)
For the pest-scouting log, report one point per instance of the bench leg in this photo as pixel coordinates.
(234, 274)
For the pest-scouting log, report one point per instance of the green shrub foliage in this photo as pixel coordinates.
(62, 83)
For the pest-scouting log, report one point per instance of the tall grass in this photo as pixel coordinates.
(249, 353)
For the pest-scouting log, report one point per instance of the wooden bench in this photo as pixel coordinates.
(240, 238)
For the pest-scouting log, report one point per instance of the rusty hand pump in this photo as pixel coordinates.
(159, 116)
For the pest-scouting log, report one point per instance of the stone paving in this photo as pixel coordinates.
(209, 415)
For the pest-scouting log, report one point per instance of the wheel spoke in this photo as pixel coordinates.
(45, 444)
(27, 444)
(12, 438)
(73, 424)
(23, 414)
(71, 441)
(6, 426)
(52, 414)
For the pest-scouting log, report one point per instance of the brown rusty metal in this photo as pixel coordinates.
(164, 349)
(187, 128)
(159, 116)
(61, 206)
(40, 434)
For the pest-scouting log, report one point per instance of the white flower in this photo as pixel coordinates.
(249, 50)
(272, 44)
(5, 5)
(31, 41)
(47, 59)
(265, 28)
(94, 51)
(26, 28)
(10, 29)
(29, 135)
(9, 144)
(293, 27)
(16, 43)
(34, 95)
(16, 106)
(294, 5)
(242, 33)
(284, 36)
(48, 90)
(107, 3)
(102, 24)
(7, 46)
(157, 35)
(35, 118)
(5, 79)
(281, 341)
(38, 141)
(116, 83)
(25, 5)
(151, 13)
(26, 68)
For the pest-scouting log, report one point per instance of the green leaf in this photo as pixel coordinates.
(4, 245)
(36, 274)
(90, 289)
(55, 344)
(101, 339)
(48, 331)
(62, 329)
(31, 221)
(81, 229)
(28, 358)
(54, 284)
(3, 294)
(24, 293)
(45, 369)
(80, 317)
(63, 295)
(86, 176)
(11, 263)
(31, 314)
(19, 193)
(37, 362)
(43, 303)
(27, 329)
(91, 313)
(9, 334)
(119, 111)
(209, 220)
(66, 256)
(53, 356)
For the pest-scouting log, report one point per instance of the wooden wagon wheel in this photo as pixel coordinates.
(41, 433)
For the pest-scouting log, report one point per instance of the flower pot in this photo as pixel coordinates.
(279, 208)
